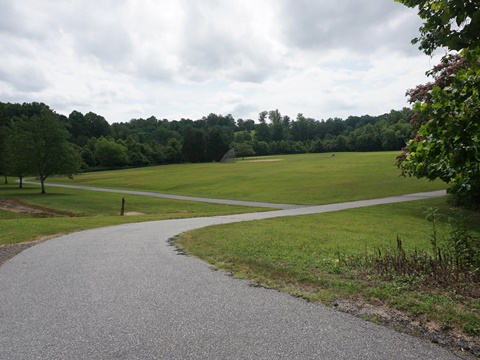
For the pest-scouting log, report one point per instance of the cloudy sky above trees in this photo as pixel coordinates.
(125, 59)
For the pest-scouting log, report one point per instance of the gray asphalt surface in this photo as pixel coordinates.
(123, 293)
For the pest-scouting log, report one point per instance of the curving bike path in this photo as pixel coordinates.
(173, 197)
(122, 292)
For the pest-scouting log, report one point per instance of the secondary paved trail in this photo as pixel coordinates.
(123, 293)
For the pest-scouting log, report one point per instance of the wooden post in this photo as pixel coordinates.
(122, 210)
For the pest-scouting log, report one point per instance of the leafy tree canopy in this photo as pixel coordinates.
(447, 120)
(454, 24)
(43, 148)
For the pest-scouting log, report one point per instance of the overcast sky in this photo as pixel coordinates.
(125, 59)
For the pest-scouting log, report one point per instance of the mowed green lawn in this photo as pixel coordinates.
(296, 179)
(300, 255)
(79, 210)
(295, 254)
(292, 179)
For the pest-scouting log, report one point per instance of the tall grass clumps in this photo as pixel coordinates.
(452, 264)
(449, 270)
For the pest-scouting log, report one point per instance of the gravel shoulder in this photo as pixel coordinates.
(9, 251)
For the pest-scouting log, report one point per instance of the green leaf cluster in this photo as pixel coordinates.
(447, 144)
(38, 145)
(453, 24)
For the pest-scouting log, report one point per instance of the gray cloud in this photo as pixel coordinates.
(360, 26)
(9, 14)
(189, 58)
(219, 39)
(24, 78)
(97, 30)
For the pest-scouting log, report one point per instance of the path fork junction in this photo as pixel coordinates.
(122, 292)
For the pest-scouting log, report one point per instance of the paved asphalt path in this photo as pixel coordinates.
(173, 197)
(122, 292)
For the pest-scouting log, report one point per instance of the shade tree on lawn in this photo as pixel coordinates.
(42, 148)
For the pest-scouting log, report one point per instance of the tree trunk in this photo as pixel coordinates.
(6, 179)
(42, 181)
(20, 184)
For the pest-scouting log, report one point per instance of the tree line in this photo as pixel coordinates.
(152, 141)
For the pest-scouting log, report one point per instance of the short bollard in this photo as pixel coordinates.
(122, 210)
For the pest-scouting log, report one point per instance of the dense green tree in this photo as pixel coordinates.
(216, 146)
(277, 132)
(44, 149)
(138, 153)
(316, 146)
(298, 147)
(262, 117)
(260, 147)
(389, 140)
(173, 151)
(341, 143)
(330, 143)
(109, 153)
(163, 133)
(78, 128)
(97, 125)
(213, 120)
(245, 125)
(19, 158)
(159, 154)
(242, 136)
(88, 157)
(201, 144)
(367, 138)
(194, 146)
(453, 24)
(4, 152)
(279, 126)
(262, 130)
(243, 149)
(447, 142)
(303, 129)
(262, 133)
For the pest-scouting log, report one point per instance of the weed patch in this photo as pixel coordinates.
(452, 264)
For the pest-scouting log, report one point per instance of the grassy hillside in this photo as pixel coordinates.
(294, 179)
(301, 255)
(66, 210)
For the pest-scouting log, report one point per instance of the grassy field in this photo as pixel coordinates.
(302, 255)
(292, 179)
(298, 254)
(75, 210)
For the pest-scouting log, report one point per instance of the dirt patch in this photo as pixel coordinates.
(10, 250)
(133, 213)
(19, 207)
(415, 326)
